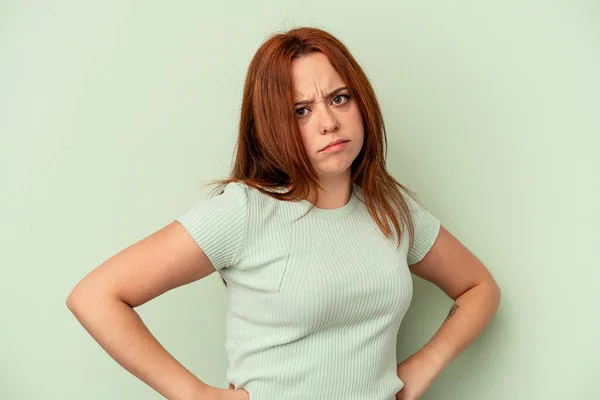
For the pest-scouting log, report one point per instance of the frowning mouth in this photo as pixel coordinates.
(336, 144)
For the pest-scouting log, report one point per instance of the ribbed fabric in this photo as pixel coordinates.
(314, 304)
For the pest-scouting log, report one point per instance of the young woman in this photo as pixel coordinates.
(315, 241)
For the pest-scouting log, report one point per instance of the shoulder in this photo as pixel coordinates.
(236, 189)
(426, 228)
(218, 223)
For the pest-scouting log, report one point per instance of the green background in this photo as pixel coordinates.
(113, 114)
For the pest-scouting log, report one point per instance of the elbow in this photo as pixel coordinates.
(488, 293)
(495, 294)
(70, 303)
(76, 299)
(86, 296)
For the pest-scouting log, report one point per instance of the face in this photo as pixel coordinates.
(326, 113)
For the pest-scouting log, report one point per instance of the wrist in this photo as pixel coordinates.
(204, 392)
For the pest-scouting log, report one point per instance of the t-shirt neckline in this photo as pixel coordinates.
(339, 212)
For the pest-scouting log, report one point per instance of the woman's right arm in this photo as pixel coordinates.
(104, 301)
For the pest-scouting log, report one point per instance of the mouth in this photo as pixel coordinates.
(334, 143)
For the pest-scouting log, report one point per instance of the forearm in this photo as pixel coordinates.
(468, 316)
(122, 334)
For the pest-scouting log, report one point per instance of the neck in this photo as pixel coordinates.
(335, 194)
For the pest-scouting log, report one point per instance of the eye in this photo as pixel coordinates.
(301, 112)
(340, 99)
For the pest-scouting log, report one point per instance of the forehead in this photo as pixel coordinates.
(312, 74)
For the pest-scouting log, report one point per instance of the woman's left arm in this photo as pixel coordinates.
(463, 277)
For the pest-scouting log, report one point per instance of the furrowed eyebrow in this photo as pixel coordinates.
(307, 102)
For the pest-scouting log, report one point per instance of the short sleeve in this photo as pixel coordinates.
(427, 228)
(218, 224)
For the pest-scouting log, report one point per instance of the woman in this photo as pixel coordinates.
(316, 243)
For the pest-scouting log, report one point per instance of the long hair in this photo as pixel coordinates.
(269, 149)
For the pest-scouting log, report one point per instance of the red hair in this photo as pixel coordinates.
(269, 149)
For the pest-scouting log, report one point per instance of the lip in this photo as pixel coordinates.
(334, 143)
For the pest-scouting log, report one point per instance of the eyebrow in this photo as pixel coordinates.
(306, 102)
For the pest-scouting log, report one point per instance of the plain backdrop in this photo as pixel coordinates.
(114, 114)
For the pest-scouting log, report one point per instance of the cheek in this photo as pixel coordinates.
(357, 117)
(310, 140)
(359, 130)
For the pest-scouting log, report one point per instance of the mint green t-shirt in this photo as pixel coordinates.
(314, 305)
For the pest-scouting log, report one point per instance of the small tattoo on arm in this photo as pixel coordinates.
(452, 311)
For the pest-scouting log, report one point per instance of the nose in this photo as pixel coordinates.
(329, 122)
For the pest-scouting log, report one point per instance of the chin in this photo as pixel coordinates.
(332, 171)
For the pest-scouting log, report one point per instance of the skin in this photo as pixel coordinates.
(104, 301)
